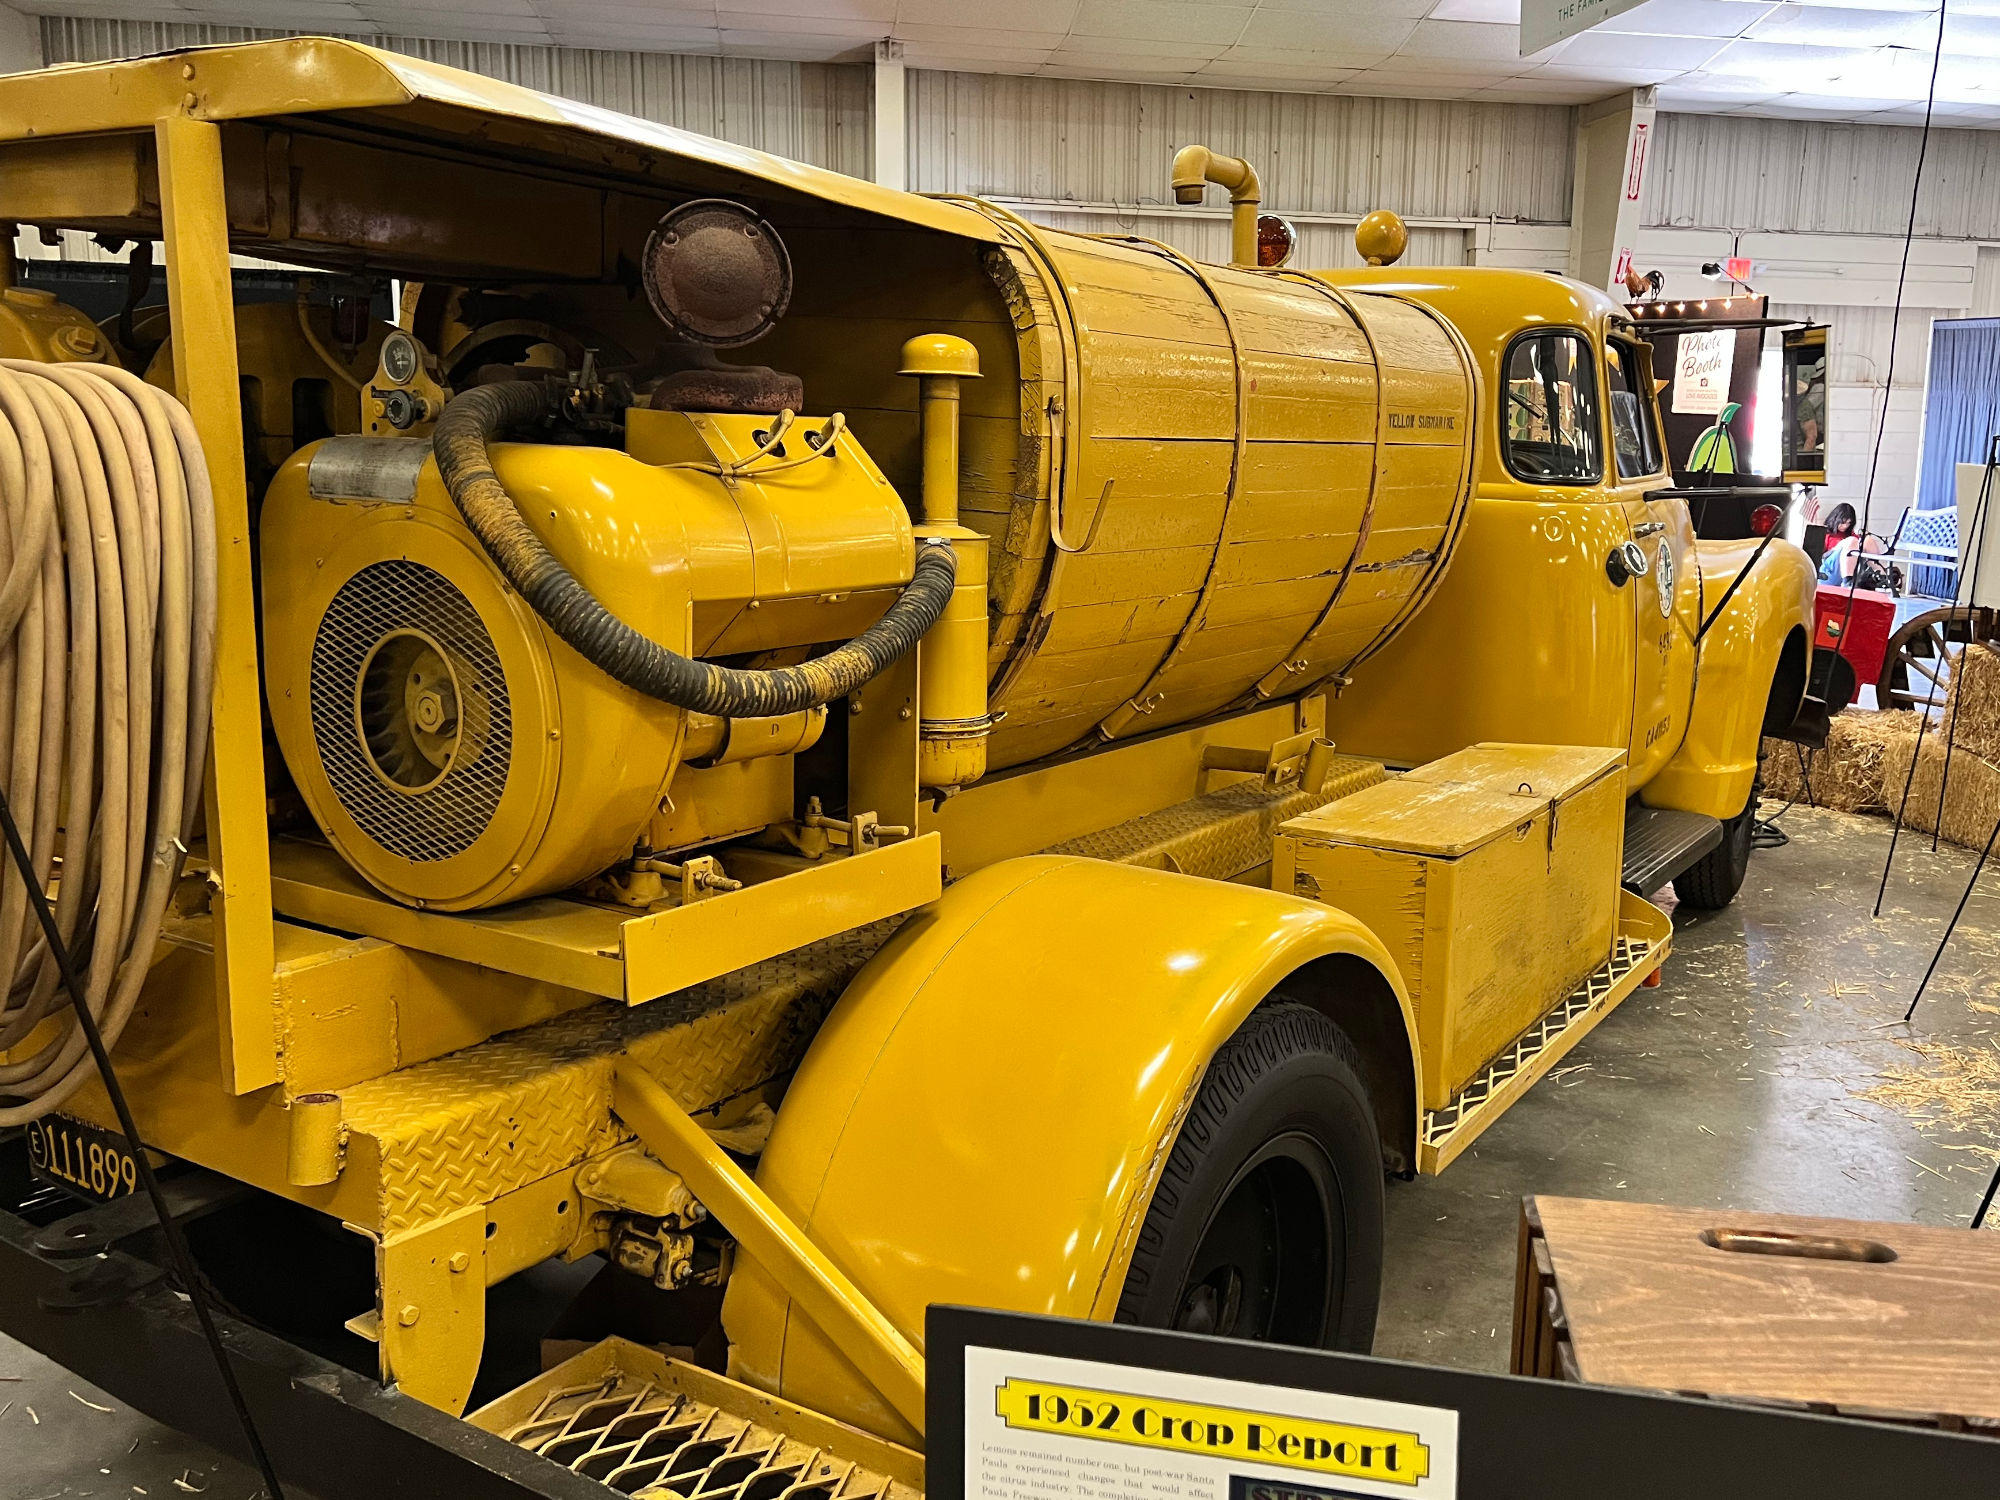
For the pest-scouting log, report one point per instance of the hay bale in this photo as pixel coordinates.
(1971, 795)
(1847, 775)
(1972, 702)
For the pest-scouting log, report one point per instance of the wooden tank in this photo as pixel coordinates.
(1251, 480)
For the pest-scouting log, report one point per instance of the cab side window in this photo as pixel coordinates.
(1634, 437)
(1550, 435)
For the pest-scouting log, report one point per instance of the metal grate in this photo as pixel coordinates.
(645, 1439)
(444, 818)
(1627, 954)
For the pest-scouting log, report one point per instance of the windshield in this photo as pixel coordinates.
(1551, 431)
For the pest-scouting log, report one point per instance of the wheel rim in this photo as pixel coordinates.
(1267, 1266)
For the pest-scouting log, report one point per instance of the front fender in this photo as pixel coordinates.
(1717, 763)
(984, 1114)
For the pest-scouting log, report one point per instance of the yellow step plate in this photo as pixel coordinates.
(646, 1425)
(1645, 937)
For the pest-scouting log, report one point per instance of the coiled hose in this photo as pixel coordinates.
(107, 631)
(474, 418)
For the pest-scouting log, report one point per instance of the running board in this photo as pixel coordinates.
(1660, 843)
(1645, 938)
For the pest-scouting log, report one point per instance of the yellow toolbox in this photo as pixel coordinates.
(1492, 876)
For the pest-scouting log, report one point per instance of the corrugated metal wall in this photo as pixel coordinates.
(1735, 172)
(1113, 143)
(1095, 157)
(811, 112)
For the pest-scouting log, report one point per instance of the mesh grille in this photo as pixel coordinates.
(645, 1439)
(444, 818)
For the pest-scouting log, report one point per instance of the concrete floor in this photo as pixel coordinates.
(1734, 1084)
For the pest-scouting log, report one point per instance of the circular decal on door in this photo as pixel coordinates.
(1663, 570)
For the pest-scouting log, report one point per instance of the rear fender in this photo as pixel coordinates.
(1740, 659)
(984, 1115)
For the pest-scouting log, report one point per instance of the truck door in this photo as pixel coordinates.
(1666, 597)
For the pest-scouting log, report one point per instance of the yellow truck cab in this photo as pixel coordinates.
(816, 749)
(1578, 609)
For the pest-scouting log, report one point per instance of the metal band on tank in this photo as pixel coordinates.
(1147, 698)
(1468, 474)
(1267, 687)
(1293, 663)
(1062, 472)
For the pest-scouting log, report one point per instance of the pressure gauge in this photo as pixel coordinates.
(400, 358)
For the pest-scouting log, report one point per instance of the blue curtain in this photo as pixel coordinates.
(1961, 414)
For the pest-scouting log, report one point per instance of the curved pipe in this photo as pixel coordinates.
(474, 418)
(1197, 166)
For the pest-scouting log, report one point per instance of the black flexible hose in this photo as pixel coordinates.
(475, 417)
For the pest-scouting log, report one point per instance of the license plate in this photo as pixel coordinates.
(82, 1159)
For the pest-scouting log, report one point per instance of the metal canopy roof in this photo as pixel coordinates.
(500, 123)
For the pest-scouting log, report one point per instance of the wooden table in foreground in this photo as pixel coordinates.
(1891, 1322)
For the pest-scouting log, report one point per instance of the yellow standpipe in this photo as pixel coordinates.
(951, 672)
(1197, 166)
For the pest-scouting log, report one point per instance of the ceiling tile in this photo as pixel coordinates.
(1463, 39)
(1846, 26)
(1278, 28)
(1023, 15)
(748, 22)
(1611, 77)
(844, 10)
(974, 59)
(1361, 12)
(976, 36)
(1972, 36)
(1725, 18)
(1671, 54)
(1297, 75)
(1449, 67)
(1125, 48)
(1318, 57)
(1161, 19)
(1463, 79)
(1502, 12)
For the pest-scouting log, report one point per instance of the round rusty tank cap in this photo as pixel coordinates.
(1381, 238)
(717, 273)
(940, 354)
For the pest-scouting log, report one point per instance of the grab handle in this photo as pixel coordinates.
(1801, 1246)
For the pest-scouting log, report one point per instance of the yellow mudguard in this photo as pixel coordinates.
(984, 1114)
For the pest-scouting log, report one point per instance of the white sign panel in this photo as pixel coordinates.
(1039, 1427)
(1702, 365)
(1546, 22)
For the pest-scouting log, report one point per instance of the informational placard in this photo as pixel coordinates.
(1546, 22)
(1039, 1425)
(1702, 367)
(1031, 1408)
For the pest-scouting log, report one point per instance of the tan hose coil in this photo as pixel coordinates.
(107, 631)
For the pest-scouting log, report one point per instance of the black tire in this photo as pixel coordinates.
(1711, 882)
(1267, 1221)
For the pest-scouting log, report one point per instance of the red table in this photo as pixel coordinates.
(1861, 636)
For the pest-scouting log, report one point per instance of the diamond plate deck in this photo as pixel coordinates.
(1224, 833)
(469, 1127)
